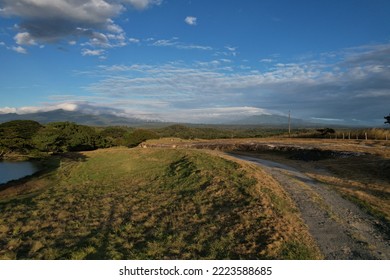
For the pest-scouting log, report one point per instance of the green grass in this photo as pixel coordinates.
(147, 204)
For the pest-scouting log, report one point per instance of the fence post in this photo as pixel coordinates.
(365, 134)
(349, 135)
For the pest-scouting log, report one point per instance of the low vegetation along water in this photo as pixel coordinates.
(15, 170)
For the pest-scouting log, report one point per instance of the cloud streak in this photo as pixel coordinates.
(87, 52)
(35, 109)
(174, 43)
(355, 86)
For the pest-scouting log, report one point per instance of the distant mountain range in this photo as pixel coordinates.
(275, 120)
(113, 120)
(73, 116)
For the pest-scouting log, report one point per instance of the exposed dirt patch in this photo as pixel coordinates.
(341, 229)
(357, 169)
(341, 187)
(124, 203)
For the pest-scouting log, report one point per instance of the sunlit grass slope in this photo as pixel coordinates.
(151, 204)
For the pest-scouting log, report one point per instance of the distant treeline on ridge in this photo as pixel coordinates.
(31, 138)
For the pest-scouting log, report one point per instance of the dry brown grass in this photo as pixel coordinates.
(151, 204)
(362, 175)
(291, 234)
(363, 179)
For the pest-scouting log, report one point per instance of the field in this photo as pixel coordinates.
(341, 187)
(160, 203)
(359, 170)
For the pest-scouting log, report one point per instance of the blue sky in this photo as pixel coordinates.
(197, 61)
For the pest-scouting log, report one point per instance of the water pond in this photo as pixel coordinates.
(10, 170)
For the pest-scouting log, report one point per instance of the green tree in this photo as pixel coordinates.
(138, 136)
(16, 136)
(115, 136)
(24, 129)
(50, 139)
(326, 131)
(387, 118)
(67, 136)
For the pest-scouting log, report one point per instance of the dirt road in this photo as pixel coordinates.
(341, 229)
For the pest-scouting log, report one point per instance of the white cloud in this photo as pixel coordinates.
(112, 27)
(327, 120)
(194, 47)
(356, 85)
(92, 11)
(232, 49)
(190, 20)
(99, 40)
(143, 109)
(229, 51)
(88, 52)
(7, 110)
(266, 60)
(50, 21)
(94, 108)
(226, 60)
(213, 114)
(35, 109)
(179, 45)
(134, 40)
(24, 38)
(19, 49)
(143, 4)
(164, 43)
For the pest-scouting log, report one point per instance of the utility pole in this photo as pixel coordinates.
(289, 123)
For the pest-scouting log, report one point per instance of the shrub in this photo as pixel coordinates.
(138, 136)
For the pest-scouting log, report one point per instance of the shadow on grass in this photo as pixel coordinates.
(100, 249)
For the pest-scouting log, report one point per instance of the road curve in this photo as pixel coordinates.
(341, 229)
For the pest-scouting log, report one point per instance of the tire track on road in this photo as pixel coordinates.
(341, 229)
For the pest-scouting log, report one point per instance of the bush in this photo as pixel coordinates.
(67, 136)
(16, 135)
(115, 136)
(138, 136)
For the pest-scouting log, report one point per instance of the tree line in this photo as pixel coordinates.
(31, 138)
(27, 137)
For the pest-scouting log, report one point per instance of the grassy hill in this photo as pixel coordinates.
(138, 203)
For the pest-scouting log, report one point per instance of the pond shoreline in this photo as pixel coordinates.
(16, 170)
(43, 164)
